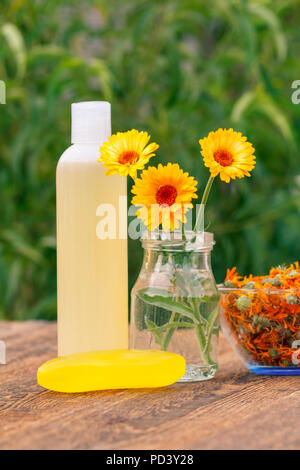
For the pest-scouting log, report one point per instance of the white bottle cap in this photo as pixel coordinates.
(91, 122)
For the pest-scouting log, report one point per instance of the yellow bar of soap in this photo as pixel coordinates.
(115, 369)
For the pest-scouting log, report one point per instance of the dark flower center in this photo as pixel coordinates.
(129, 156)
(166, 195)
(223, 157)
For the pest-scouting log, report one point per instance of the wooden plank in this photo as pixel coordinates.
(236, 410)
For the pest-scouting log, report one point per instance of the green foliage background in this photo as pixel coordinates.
(177, 68)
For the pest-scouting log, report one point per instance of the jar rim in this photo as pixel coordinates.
(173, 241)
(265, 290)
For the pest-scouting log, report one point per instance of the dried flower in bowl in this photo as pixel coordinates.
(260, 316)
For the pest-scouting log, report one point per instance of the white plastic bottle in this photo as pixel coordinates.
(91, 272)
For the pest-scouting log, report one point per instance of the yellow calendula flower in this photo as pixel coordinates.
(227, 153)
(165, 194)
(126, 152)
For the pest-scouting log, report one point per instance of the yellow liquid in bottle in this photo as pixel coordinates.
(92, 273)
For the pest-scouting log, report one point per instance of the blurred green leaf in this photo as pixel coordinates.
(16, 44)
(241, 106)
(20, 245)
(273, 22)
(277, 116)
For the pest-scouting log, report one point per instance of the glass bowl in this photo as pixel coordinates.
(263, 327)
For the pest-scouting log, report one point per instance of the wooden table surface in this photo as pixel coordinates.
(236, 410)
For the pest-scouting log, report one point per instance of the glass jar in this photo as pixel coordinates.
(175, 301)
(263, 327)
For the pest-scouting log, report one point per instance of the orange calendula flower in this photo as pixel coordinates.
(127, 152)
(228, 154)
(165, 194)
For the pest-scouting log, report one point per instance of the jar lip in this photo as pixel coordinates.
(172, 241)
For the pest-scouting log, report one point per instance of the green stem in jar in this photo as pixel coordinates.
(181, 308)
(203, 328)
(204, 346)
(168, 336)
(205, 331)
(202, 340)
(211, 325)
(182, 228)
